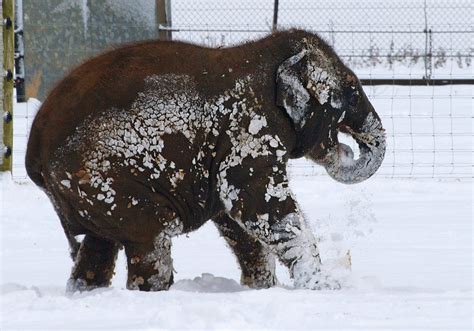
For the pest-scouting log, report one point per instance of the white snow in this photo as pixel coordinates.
(257, 123)
(410, 242)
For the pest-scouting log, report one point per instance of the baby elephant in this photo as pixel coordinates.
(151, 140)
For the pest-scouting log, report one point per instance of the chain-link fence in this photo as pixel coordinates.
(397, 42)
(381, 39)
(429, 131)
(401, 39)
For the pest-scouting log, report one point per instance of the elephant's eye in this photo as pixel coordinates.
(353, 99)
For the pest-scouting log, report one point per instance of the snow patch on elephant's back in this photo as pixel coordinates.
(257, 123)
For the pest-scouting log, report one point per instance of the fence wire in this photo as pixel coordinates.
(429, 132)
(415, 38)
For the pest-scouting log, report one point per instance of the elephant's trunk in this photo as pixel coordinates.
(370, 136)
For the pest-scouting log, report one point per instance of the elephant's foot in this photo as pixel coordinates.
(317, 281)
(94, 264)
(306, 272)
(81, 285)
(259, 276)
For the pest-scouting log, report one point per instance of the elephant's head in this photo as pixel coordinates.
(323, 97)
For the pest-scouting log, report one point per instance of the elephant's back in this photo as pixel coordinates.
(110, 80)
(114, 79)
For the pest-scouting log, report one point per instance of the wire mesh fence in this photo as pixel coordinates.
(429, 132)
(429, 128)
(398, 39)
(401, 39)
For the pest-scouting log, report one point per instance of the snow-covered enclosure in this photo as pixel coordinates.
(400, 243)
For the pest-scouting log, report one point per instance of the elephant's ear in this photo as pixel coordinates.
(291, 92)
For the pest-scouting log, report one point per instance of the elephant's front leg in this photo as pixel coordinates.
(256, 261)
(267, 210)
(292, 240)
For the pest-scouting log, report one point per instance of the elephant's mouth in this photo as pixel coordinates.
(339, 159)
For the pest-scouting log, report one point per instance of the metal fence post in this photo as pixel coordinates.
(19, 53)
(163, 19)
(8, 38)
(427, 54)
(275, 15)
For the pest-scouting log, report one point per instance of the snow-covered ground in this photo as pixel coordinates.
(410, 242)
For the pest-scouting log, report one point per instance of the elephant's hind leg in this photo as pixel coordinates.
(255, 260)
(150, 266)
(94, 264)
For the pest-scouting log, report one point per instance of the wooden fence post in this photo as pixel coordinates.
(8, 27)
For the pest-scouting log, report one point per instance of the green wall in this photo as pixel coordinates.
(60, 34)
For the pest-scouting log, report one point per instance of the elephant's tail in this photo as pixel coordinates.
(33, 158)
